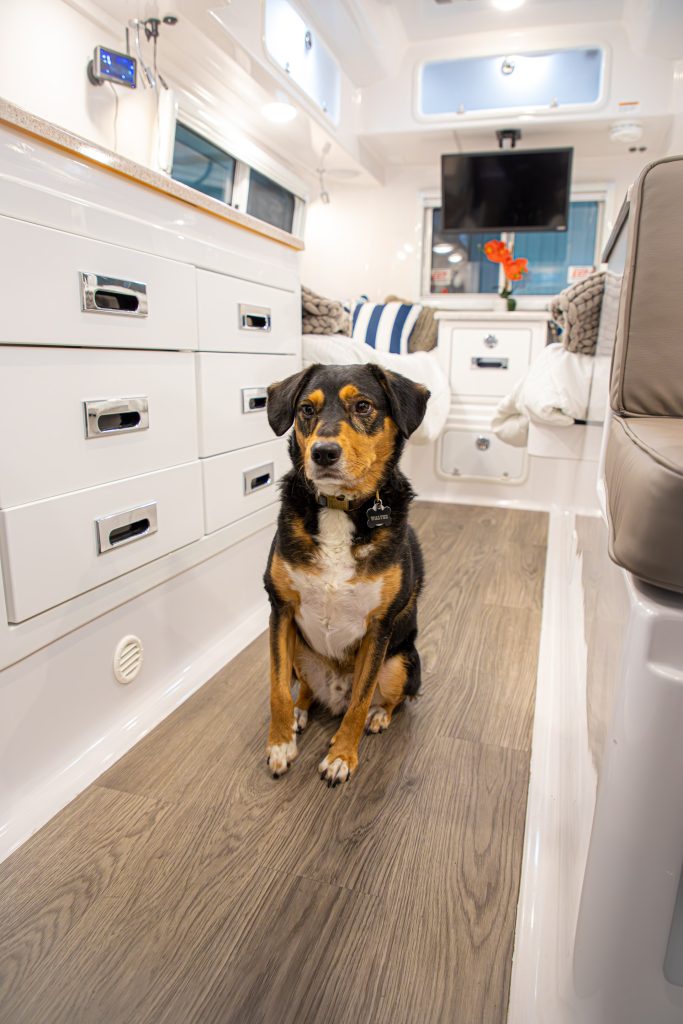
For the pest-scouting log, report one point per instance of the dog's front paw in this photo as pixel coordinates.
(300, 720)
(334, 770)
(280, 756)
(377, 721)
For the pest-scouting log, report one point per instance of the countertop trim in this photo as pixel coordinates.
(15, 117)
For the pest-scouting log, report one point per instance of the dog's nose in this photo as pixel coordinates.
(326, 453)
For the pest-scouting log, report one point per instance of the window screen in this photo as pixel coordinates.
(270, 202)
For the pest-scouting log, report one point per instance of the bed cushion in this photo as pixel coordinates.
(385, 327)
(644, 484)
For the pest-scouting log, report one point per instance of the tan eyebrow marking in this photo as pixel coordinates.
(348, 392)
(316, 398)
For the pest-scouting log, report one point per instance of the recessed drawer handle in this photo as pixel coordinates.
(116, 416)
(124, 527)
(254, 399)
(259, 478)
(489, 363)
(112, 295)
(254, 318)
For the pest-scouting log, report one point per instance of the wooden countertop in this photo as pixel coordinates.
(52, 134)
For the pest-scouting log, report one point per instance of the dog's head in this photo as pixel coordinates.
(350, 423)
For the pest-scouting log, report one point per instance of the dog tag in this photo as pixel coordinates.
(378, 515)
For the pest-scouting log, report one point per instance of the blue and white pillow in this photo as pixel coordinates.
(386, 328)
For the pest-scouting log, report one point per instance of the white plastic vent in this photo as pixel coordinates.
(128, 659)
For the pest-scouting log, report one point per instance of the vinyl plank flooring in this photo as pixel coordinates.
(187, 886)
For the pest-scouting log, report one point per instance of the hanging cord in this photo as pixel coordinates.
(116, 114)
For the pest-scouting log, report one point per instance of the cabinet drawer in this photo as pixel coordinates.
(61, 289)
(240, 316)
(479, 453)
(56, 549)
(242, 482)
(232, 398)
(488, 362)
(82, 417)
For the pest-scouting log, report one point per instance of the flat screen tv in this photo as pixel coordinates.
(507, 190)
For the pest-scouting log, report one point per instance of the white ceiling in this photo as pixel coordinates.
(427, 19)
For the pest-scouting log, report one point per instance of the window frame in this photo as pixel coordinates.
(247, 156)
(429, 199)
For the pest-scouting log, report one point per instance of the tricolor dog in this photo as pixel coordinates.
(345, 568)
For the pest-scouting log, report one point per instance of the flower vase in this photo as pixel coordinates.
(500, 304)
(511, 304)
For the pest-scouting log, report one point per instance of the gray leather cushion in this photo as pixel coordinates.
(644, 482)
(647, 372)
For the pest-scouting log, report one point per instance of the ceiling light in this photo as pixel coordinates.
(456, 257)
(507, 5)
(279, 112)
(442, 248)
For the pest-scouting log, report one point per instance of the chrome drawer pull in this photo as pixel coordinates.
(116, 416)
(254, 399)
(490, 341)
(489, 363)
(112, 295)
(254, 318)
(482, 443)
(257, 479)
(124, 527)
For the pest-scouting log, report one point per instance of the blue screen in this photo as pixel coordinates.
(117, 67)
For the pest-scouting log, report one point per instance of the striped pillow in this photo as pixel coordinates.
(385, 327)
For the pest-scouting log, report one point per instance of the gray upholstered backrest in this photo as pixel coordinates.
(647, 372)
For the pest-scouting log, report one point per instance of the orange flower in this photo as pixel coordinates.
(515, 269)
(497, 251)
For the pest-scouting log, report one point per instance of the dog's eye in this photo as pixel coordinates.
(307, 410)
(363, 407)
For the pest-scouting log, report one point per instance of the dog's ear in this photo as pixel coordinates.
(407, 400)
(282, 399)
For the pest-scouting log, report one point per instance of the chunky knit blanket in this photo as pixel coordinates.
(576, 311)
(323, 316)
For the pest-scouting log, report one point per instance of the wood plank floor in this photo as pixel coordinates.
(187, 886)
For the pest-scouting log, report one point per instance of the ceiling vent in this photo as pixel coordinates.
(626, 131)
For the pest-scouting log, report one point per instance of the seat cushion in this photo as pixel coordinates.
(644, 484)
(648, 355)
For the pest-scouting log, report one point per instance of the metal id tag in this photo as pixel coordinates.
(379, 515)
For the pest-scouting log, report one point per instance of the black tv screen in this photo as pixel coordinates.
(507, 190)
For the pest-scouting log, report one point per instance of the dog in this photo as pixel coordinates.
(345, 568)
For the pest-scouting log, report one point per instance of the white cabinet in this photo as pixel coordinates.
(62, 289)
(243, 316)
(242, 482)
(488, 361)
(484, 356)
(55, 549)
(232, 398)
(82, 417)
(477, 452)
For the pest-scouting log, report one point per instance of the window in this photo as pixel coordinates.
(528, 81)
(458, 266)
(201, 165)
(270, 202)
(300, 53)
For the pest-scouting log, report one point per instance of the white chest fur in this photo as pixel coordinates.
(333, 610)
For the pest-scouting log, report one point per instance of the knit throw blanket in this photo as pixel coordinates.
(576, 311)
(323, 316)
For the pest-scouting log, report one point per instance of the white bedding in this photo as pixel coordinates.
(555, 390)
(422, 367)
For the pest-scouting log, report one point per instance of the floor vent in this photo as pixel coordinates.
(128, 659)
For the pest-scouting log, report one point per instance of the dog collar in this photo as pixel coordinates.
(344, 504)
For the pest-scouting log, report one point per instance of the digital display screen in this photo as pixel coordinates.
(115, 67)
(509, 190)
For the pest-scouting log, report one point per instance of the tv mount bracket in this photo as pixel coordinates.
(508, 138)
